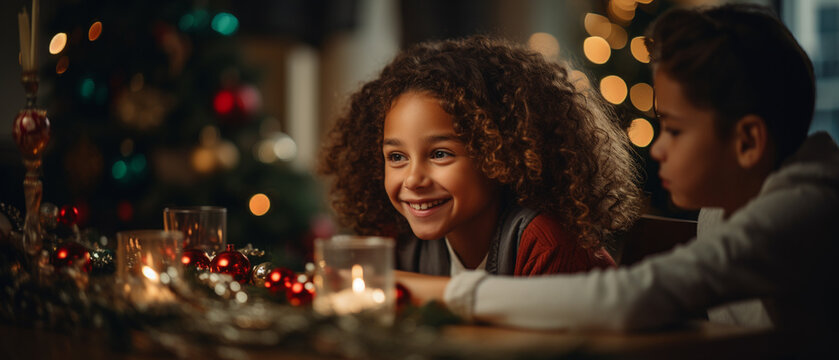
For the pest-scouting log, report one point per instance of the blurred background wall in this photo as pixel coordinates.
(157, 103)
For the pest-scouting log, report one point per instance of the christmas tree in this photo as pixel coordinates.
(152, 106)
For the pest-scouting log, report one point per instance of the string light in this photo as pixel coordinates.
(639, 50)
(94, 31)
(545, 44)
(640, 132)
(259, 204)
(58, 42)
(641, 96)
(617, 37)
(597, 25)
(596, 49)
(613, 89)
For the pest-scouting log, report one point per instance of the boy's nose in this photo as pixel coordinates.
(416, 177)
(657, 151)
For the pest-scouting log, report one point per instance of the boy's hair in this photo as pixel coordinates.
(738, 60)
(550, 146)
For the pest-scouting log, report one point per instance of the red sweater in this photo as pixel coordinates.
(545, 248)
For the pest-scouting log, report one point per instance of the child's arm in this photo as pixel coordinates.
(423, 288)
(775, 246)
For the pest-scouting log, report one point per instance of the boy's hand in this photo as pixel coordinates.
(423, 288)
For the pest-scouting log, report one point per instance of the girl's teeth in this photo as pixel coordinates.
(425, 206)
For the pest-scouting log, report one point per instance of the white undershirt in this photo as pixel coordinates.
(457, 266)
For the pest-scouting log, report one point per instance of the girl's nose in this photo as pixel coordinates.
(416, 177)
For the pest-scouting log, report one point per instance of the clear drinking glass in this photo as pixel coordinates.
(148, 263)
(354, 275)
(204, 227)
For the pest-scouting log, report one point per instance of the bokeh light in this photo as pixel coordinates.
(94, 31)
(622, 11)
(641, 96)
(62, 65)
(597, 25)
(613, 89)
(203, 160)
(119, 170)
(641, 132)
(225, 23)
(579, 80)
(639, 50)
(58, 42)
(596, 49)
(545, 44)
(87, 87)
(617, 37)
(259, 204)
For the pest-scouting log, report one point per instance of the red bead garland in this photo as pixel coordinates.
(233, 263)
(71, 254)
(279, 279)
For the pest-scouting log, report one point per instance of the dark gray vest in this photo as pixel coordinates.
(431, 257)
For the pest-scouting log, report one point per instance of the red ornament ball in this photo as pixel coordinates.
(195, 259)
(279, 279)
(233, 263)
(68, 215)
(300, 294)
(71, 254)
(31, 131)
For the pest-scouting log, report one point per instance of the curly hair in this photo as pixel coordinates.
(551, 147)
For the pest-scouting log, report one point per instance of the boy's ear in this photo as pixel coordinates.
(751, 140)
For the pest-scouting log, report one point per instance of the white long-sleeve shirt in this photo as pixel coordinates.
(780, 246)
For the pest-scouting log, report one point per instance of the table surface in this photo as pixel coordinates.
(696, 340)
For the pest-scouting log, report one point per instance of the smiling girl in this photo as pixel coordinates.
(480, 154)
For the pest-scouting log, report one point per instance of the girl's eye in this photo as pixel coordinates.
(395, 157)
(439, 154)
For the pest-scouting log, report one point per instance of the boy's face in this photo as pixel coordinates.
(698, 168)
(429, 176)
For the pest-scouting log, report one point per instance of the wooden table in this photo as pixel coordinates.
(698, 340)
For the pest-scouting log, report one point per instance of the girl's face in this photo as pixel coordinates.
(698, 168)
(429, 176)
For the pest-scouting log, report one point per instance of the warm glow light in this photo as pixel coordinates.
(639, 50)
(579, 80)
(223, 262)
(597, 25)
(641, 95)
(643, 1)
(150, 273)
(62, 254)
(57, 43)
(596, 49)
(641, 132)
(275, 276)
(259, 204)
(94, 31)
(617, 38)
(185, 260)
(613, 89)
(622, 11)
(62, 65)
(545, 44)
(378, 296)
(357, 281)
(203, 160)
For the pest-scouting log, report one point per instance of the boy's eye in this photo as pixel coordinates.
(439, 154)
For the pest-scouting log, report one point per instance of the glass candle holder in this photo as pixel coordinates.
(354, 275)
(148, 262)
(204, 227)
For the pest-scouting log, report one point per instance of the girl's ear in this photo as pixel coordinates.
(752, 143)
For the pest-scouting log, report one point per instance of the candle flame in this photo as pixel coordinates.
(150, 273)
(357, 281)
